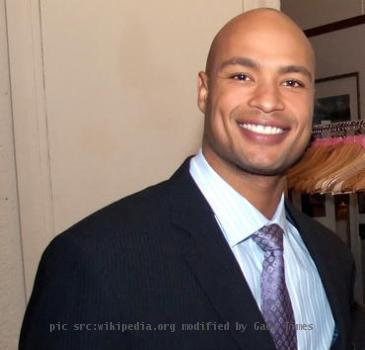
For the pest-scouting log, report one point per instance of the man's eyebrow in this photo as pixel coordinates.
(296, 69)
(240, 61)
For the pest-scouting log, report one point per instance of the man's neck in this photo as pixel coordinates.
(263, 192)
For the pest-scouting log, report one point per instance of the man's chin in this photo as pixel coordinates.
(264, 171)
(272, 170)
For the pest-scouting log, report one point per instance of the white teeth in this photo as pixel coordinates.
(262, 129)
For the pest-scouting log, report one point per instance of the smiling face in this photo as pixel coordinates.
(257, 95)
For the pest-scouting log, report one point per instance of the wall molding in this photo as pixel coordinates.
(338, 25)
(12, 292)
(30, 131)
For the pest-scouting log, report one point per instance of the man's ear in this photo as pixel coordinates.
(202, 91)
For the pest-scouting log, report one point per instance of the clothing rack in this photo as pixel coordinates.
(328, 138)
(324, 130)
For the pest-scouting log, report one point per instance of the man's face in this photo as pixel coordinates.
(258, 101)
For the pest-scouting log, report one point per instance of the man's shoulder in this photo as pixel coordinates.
(122, 219)
(127, 222)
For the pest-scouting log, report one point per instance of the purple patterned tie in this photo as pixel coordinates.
(276, 306)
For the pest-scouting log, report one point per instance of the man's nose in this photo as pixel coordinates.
(267, 98)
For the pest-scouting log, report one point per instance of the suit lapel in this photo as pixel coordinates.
(213, 263)
(317, 251)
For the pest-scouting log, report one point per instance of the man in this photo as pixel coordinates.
(213, 258)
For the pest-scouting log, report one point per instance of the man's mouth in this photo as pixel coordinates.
(262, 129)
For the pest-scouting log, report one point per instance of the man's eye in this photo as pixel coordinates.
(240, 76)
(293, 83)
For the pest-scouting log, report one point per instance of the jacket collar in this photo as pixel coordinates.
(213, 263)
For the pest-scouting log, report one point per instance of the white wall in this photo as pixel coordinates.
(107, 95)
(121, 105)
(12, 293)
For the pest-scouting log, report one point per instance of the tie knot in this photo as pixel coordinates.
(269, 238)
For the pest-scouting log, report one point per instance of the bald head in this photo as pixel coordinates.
(257, 96)
(259, 22)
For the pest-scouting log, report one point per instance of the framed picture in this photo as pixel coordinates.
(337, 99)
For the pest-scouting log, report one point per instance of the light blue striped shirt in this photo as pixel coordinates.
(238, 220)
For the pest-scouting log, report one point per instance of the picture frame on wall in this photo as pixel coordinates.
(337, 99)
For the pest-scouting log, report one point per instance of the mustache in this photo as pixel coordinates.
(255, 113)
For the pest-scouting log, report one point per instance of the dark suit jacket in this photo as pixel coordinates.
(158, 257)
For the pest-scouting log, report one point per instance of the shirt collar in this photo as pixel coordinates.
(238, 218)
